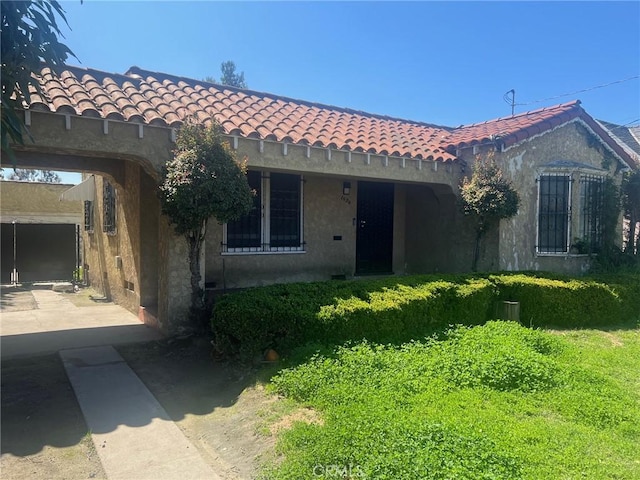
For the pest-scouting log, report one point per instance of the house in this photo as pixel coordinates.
(40, 233)
(341, 193)
(629, 138)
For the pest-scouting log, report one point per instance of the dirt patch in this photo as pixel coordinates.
(614, 339)
(85, 297)
(305, 415)
(16, 299)
(44, 435)
(220, 407)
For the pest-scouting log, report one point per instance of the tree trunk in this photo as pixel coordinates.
(195, 244)
(476, 251)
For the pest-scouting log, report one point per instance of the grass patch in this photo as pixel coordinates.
(497, 401)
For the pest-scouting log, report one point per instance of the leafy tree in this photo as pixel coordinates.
(29, 38)
(488, 197)
(202, 180)
(27, 175)
(229, 76)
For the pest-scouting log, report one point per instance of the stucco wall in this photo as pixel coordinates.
(35, 202)
(114, 259)
(522, 164)
(153, 260)
(327, 214)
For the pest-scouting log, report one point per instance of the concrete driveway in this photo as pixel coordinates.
(40, 322)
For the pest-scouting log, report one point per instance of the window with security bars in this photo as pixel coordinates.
(554, 207)
(275, 221)
(285, 211)
(245, 233)
(88, 216)
(591, 201)
(109, 208)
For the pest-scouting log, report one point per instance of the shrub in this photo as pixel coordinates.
(388, 310)
(399, 309)
(570, 303)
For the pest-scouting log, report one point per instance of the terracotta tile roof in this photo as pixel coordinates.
(511, 130)
(508, 131)
(159, 99)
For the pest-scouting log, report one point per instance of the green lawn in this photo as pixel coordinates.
(498, 401)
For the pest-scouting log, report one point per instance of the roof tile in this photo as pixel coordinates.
(161, 99)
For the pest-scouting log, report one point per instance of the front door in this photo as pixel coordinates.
(374, 238)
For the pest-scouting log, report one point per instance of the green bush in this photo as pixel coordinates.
(571, 303)
(389, 310)
(399, 309)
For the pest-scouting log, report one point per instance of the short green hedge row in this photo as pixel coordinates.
(398, 309)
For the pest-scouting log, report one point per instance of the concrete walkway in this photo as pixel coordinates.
(55, 324)
(133, 435)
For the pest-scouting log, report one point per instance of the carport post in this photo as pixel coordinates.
(76, 276)
(14, 276)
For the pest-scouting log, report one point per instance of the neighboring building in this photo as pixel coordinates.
(43, 229)
(629, 138)
(341, 193)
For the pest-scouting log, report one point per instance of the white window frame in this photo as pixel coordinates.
(265, 224)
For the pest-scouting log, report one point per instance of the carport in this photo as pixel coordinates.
(39, 234)
(40, 322)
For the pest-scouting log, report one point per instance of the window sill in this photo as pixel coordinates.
(284, 252)
(561, 254)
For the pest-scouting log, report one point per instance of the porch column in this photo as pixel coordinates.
(174, 286)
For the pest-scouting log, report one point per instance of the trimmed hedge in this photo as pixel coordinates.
(548, 302)
(399, 309)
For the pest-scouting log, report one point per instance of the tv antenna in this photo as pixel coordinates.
(510, 98)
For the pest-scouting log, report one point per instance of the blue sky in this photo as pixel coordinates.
(448, 63)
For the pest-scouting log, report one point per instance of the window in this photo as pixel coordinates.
(245, 233)
(285, 211)
(275, 221)
(109, 205)
(554, 204)
(88, 216)
(591, 201)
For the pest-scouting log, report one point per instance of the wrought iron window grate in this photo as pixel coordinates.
(275, 221)
(554, 213)
(88, 216)
(591, 201)
(109, 206)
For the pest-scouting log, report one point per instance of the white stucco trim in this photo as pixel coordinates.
(171, 130)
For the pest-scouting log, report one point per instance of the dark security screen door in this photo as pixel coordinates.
(43, 252)
(374, 238)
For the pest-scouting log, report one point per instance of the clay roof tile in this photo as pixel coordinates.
(158, 98)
